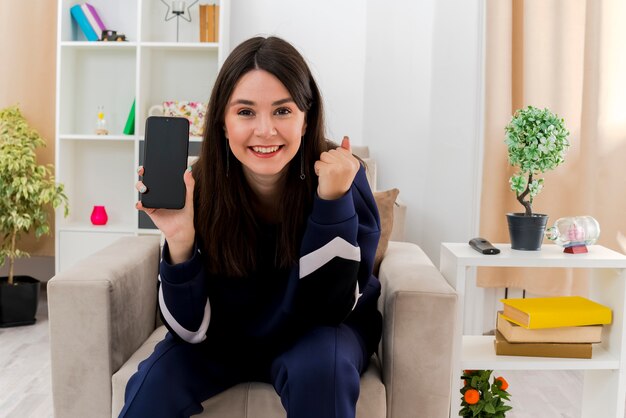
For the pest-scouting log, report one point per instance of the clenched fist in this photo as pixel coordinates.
(336, 170)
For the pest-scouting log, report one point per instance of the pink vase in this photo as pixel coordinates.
(99, 215)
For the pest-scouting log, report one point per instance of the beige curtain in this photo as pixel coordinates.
(27, 77)
(569, 56)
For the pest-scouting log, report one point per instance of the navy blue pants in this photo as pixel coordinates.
(319, 376)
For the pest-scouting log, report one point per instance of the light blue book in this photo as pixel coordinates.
(83, 23)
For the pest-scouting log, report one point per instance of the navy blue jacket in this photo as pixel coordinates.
(332, 283)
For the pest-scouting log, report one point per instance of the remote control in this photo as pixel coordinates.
(483, 246)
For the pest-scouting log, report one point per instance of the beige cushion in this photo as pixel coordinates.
(385, 202)
(250, 399)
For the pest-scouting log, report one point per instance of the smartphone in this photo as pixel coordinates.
(165, 161)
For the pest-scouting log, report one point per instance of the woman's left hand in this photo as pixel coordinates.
(336, 170)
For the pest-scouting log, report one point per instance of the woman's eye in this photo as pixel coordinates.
(245, 112)
(282, 111)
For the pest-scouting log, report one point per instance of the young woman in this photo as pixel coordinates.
(267, 271)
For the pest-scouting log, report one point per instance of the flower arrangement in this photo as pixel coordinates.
(482, 399)
(537, 142)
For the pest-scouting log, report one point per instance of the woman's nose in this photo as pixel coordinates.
(265, 128)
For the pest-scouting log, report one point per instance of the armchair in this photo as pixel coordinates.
(104, 321)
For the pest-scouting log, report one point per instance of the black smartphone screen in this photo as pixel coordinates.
(165, 162)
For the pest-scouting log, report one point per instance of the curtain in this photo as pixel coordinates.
(27, 76)
(568, 56)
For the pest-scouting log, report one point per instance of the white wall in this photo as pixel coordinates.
(403, 77)
(331, 36)
(423, 113)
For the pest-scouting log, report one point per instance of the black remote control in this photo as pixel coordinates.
(483, 246)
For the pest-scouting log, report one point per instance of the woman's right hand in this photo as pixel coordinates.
(175, 224)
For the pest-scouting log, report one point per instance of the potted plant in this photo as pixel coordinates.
(26, 190)
(482, 399)
(537, 142)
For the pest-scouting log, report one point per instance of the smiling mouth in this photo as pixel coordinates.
(266, 150)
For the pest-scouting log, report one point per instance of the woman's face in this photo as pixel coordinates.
(263, 125)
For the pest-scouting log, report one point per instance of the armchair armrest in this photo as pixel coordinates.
(419, 311)
(100, 310)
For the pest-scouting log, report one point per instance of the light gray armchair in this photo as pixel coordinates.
(103, 322)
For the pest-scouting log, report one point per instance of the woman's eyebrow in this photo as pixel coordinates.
(251, 103)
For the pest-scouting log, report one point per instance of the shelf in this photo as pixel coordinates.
(92, 137)
(118, 15)
(191, 138)
(146, 231)
(550, 255)
(94, 77)
(604, 386)
(478, 353)
(88, 227)
(87, 45)
(211, 46)
(149, 69)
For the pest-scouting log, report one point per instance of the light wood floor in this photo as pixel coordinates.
(25, 389)
(25, 379)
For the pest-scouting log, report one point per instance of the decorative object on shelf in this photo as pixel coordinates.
(99, 215)
(537, 142)
(113, 36)
(482, 399)
(209, 22)
(27, 191)
(178, 9)
(129, 128)
(574, 233)
(194, 112)
(101, 123)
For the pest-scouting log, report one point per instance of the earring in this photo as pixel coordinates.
(227, 158)
(302, 175)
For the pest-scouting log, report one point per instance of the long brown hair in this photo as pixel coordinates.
(225, 223)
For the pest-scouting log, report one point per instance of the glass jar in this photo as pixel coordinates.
(573, 231)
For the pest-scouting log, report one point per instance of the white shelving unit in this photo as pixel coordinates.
(604, 374)
(151, 67)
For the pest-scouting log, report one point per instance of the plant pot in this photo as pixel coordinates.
(18, 303)
(526, 232)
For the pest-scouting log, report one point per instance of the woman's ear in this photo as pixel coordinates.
(303, 128)
(225, 132)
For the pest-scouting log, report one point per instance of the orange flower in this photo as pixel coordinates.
(471, 396)
(505, 384)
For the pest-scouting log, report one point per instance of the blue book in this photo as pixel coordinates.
(81, 19)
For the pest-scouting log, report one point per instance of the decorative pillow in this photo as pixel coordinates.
(385, 201)
(193, 111)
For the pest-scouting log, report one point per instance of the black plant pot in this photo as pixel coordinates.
(526, 232)
(18, 303)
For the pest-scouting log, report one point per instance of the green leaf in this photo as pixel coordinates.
(26, 188)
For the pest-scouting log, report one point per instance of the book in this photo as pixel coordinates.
(514, 333)
(94, 19)
(552, 312)
(216, 23)
(129, 128)
(563, 350)
(79, 17)
(209, 22)
(204, 28)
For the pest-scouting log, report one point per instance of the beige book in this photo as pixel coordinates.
(516, 334)
(563, 350)
(204, 20)
(216, 25)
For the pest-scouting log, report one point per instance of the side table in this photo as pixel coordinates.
(604, 387)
